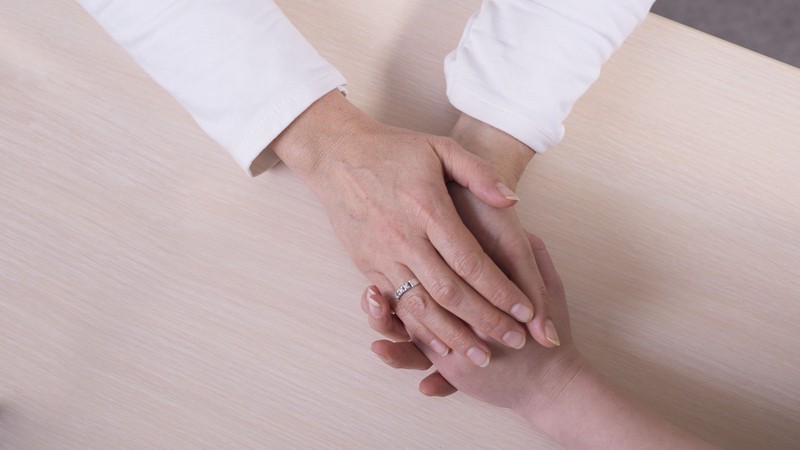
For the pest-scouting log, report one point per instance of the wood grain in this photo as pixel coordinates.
(152, 295)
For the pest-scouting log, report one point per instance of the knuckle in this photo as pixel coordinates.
(448, 295)
(382, 325)
(494, 324)
(460, 341)
(417, 330)
(446, 143)
(504, 295)
(426, 210)
(445, 148)
(479, 165)
(414, 304)
(363, 262)
(468, 265)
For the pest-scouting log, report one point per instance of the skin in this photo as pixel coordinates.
(500, 231)
(554, 389)
(384, 189)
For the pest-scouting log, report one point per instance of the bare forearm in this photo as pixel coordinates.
(592, 413)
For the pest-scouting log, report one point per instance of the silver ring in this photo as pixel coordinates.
(405, 287)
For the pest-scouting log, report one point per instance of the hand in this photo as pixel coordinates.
(555, 390)
(384, 191)
(499, 231)
(516, 379)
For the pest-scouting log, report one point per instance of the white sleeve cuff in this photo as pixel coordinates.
(522, 64)
(239, 67)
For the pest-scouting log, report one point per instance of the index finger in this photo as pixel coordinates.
(462, 252)
(455, 295)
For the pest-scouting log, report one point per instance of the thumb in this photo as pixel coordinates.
(474, 173)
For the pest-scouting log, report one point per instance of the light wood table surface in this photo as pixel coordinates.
(154, 296)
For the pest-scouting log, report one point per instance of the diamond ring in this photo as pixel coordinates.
(405, 287)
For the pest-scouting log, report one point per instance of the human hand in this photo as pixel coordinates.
(517, 379)
(384, 191)
(554, 389)
(499, 231)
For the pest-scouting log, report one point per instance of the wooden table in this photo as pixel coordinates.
(153, 296)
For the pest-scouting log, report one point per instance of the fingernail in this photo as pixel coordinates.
(507, 193)
(375, 308)
(523, 313)
(514, 339)
(439, 347)
(372, 291)
(550, 332)
(478, 356)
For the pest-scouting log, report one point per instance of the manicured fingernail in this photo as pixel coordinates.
(439, 347)
(375, 308)
(550, 332)
(514, 339)
(478, 356)
(372, 291)
(507, 193)
(523, 313)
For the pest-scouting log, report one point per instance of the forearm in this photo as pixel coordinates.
(591, 413)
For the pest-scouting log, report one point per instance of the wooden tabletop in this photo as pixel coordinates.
(154, 296)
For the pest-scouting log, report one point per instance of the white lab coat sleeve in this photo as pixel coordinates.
(521, 65)
(239, 67)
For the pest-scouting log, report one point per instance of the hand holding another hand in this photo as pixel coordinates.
(554, 389)
(384, 191)
(520, 379)
(500, 231)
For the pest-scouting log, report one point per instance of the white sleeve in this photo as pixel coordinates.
(522, 64)
(239, 67)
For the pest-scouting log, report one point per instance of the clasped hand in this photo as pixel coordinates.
(385, 192)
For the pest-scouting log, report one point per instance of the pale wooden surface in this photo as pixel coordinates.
(151, 295)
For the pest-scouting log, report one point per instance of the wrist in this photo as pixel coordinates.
(553, 390)
(311, 138)
(590, 412)
(506, 154)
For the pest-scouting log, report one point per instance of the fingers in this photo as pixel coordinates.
(435, 327)
(381, 319)
(521, 266)
(501, 235)
(471, 286)
(545, 263)
(380, 316)
(551, 279)
(401, 355)
(473, 173)
(435, 385)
